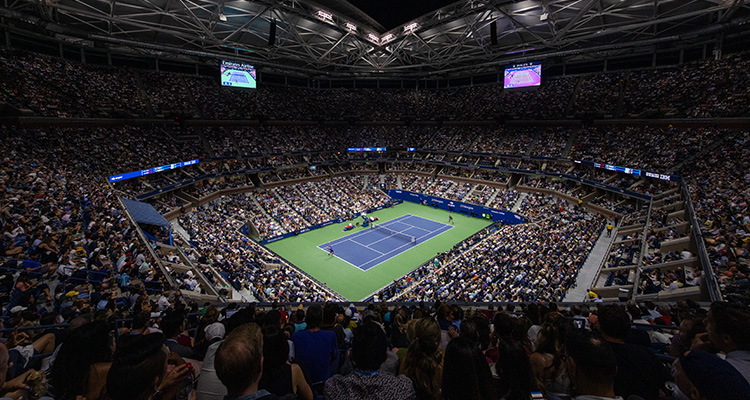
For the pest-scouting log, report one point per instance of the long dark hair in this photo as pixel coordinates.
(140, 361)
(514, 371)
(275, 354)
(466, 374)
(85, 346)
(423, 363)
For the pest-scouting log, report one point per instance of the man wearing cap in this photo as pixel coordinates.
(703, 376)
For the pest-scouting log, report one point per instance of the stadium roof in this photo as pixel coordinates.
(336, 38)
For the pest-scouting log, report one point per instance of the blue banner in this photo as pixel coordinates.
(471, 210)
(135, 174)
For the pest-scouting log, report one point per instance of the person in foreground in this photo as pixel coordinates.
(369, 347)
(704, 376)
(239, 364)
(592, 366)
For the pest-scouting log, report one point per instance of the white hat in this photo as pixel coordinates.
(17, 309)
(215, 330)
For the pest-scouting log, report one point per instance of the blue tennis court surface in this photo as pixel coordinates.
(370, 247)
(238, 77)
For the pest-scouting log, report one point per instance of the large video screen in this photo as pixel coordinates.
(523, 75)
(237, 74)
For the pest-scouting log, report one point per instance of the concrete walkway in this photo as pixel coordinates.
(177, 228)
(588, 273)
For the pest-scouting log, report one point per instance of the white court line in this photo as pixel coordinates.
(418, 240)
(334, 254)
(368, 246)
(360, 233)
(356, 235)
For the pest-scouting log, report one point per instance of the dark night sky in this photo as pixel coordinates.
(393, 13)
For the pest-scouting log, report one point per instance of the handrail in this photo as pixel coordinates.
(644, 241)
(146, 243)
(711, 281)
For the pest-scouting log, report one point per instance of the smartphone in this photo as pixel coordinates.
(537, 396)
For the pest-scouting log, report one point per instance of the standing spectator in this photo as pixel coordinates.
(367, 382)
(315, 349)
(239, 363)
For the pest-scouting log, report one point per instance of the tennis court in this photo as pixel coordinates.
(239, 77)
(371, 247)
(355, 283)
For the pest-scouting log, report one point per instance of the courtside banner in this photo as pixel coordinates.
(471, 210)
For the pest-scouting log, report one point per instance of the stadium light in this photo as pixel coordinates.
(351, 27)
(411, 27)
(324, 16)
(387, 38)
(373, 38)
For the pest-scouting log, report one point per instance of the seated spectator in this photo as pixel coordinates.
(639, 372)
(466, 374)
(513, 377)
(592, 366)
(727, 328)
(423, 363)
(140, 370)
(547, 362)
(239, 363)
(209, 386)
(369, 351)
(703, 376)
(316, 350)
(279, 376)
(82, 364)
(172, 325)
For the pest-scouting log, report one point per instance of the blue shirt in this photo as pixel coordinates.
(317, 351)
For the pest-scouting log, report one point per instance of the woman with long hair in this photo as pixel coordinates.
(466, 374)
(423, 363)
(548, 361)
(514, 380)
(83, 362)
(279, 376)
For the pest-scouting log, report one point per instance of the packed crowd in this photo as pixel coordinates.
(166, 349)
(49, 87)
(718, 183)
(529, 262)
(215, 230)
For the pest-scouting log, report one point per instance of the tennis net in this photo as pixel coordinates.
(396, 234)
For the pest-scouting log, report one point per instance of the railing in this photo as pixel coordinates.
(644, 242)
(708, 272)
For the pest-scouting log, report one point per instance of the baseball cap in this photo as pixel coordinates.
(17, 309)
(215, 330)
